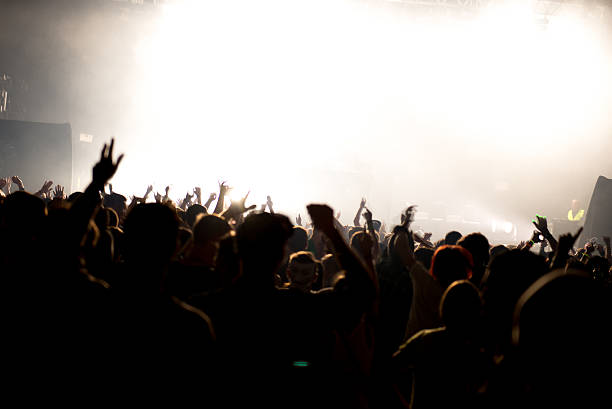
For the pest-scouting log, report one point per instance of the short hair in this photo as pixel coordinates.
(302, 257)
(451, 263)
(424, 255)
(461, 305)
(263, 235)
(192, 214)
(151, 229)
(305, 263)
(209, 227)
(452, 237)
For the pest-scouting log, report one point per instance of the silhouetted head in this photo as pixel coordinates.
(150, 234)
(452, 237)
(497, 250)
(298, 240)
(209, 228)
(460, 307)
(74, 196)
(192, 214)
(424, 255)
(508, 276)
(361, 239)
(563, 337)
(451, 263)
(331, 270)
(22, 215)
(478, 246)
(261, 244)
(376, 224)
(353, 230)
(116, 202)
(303, 270)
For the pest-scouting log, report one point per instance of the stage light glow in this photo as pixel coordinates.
(325, 101)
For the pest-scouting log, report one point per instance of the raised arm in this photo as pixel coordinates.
(223, 189)
(372, 233)
(147, 193)
(45, 189)
(86, 204)
(565, 244)
(356, 271)
(17, 180)
(269, 203)
(197, 191)
(237, 209)
(211, 198)
(541, 224)
(357, 219)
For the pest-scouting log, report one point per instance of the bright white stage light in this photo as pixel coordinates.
(265, 94)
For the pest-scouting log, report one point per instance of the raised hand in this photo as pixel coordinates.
(270, 204)
(212, 196)
(104, 170)
(408, 216)
(58, 193)
(18, 182)
(541, 223)
(3, 182)
(298, 220)
(238, 207)
(197, 191)
(186, 201)
(224, 188)
(535, 237)
(567, 241)
(158, 197)
(9, 182)
(367, 215)
(565, 244)
(356, 220)
(322, 217)
(45, 189)
(166, 197)
(148, 192)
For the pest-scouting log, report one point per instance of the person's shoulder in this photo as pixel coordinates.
(188, 314)
(415, 344)
(323, 292)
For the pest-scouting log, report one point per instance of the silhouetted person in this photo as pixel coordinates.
(478, 246)
(452, 237)
(446, 364)
(562, 334)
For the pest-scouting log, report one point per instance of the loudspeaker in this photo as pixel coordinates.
(36, 152)
(598, 219)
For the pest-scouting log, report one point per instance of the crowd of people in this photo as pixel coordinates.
(155, 301)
